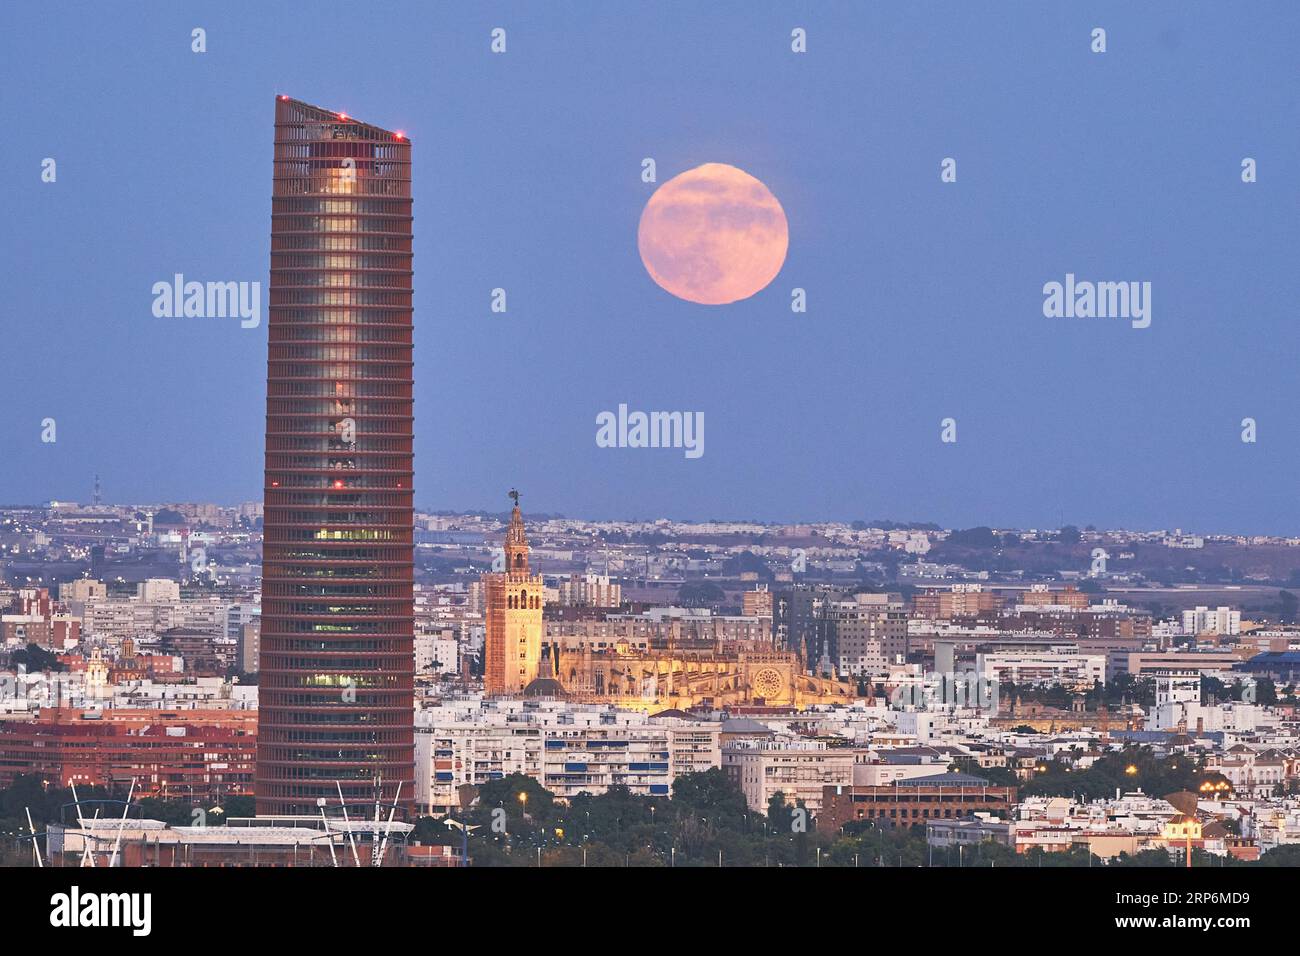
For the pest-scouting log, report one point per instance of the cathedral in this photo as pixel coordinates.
(522, 662)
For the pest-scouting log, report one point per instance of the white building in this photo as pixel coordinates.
(797, 769)
(1178, 707)
(590, 590)
(870, 630)
(1043, 664)
(158, 589)
(437, 654)
(568, 749)
(1204, 620)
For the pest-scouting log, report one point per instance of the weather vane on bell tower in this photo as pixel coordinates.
(515, 495)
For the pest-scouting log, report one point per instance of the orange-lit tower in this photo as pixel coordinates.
(336, 688)
(514, 598)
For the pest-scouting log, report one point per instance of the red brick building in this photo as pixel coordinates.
(34, 618)
(208, 754)
(948, 796)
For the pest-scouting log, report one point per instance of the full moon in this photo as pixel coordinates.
(713, 235)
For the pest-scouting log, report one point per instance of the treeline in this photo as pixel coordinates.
(706, 822)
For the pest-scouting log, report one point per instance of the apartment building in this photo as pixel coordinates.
(799, 770)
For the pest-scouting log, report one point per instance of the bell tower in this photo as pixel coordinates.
(514, 598)
(516, 542)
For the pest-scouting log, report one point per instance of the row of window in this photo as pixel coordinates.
(397, 225)
(333, 500)
(327, 426)
(358, 370)
(327, 553)
(315, 644)
(334, 243)
(316, 141)
(362, 671)
(402, 466)
(327, 774)
(376, 627)
(352, 388)
(372, 686)
(329, 182)
(387, 334)
(283, 315)
(356, 738)
(327, 442)
(295, 122)
(341, 206)
(288, 352)
(328, 713)
(342, 280)
(336, 409)
(390, 518)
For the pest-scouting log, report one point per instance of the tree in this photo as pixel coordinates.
(36, 658)
(1265, 691)
(1146, 858)
(239, 806)
(747, 562)
(700, 594)
(709, 792)
(1287, 605)
(981, 537)
(539, 803)
(1286, 855)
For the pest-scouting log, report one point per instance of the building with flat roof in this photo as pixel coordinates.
(191, 754)
(800, 770)
(946, 796)
(241, 841)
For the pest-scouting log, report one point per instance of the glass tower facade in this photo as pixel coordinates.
(336, 697)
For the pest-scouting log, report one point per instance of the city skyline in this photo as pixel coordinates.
(747, 435)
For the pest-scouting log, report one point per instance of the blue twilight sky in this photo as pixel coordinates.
(924, 298)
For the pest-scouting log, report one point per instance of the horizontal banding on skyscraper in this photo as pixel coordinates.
(336, 691)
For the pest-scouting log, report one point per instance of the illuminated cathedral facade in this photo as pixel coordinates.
(522, 659)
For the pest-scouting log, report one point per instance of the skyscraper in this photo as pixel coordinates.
(336, 695)
(514, 598)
